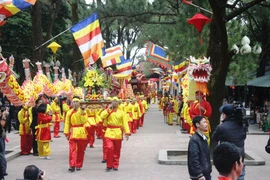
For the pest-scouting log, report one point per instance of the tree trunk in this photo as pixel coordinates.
(37, 32)
(220, 60)
(76, 62)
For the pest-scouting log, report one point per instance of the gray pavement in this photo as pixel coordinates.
(139, 156)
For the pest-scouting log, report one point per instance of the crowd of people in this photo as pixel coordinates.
(82, 125)
(230, 134)
(119, 118)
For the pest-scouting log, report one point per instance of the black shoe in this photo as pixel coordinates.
(115, 169)
(5, 174)
(108, 169)
(71, 169)
(78, 169)
(35, 154)
(91, 146)
(103, 161)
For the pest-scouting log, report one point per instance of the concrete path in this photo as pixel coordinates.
(138, 157)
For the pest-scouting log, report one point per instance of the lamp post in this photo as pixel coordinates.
(246, 49)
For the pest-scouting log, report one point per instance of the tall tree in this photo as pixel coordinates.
(218, 49)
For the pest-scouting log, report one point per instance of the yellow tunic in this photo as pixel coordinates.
(91, 117)
(56, 112)
(116, 122)
(144, 105)
(75, 124)
(23, 117)
(65, 110)
(136, 112)
(128, 109)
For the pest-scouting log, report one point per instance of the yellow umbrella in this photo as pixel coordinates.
(54, 47)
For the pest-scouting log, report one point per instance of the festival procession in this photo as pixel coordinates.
(103, 90)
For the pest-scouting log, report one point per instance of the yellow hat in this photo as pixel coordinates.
(75, 98)
(108, 98)
(115, 98)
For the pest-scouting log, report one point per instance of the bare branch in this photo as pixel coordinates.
(242, 9)
(251, 18)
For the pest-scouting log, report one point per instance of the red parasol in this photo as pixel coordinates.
(199, 20)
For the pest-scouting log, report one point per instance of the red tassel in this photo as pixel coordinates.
(201, 41)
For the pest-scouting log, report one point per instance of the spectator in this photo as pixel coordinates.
(7, 107)
(32, 172)
(228, 161)
(232, 130)
(3, 161)
(33, 125)
(199, 164)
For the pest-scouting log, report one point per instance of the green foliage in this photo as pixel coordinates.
(243, 68)
(16, 35)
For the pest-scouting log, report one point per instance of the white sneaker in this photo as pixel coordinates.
(47, 157)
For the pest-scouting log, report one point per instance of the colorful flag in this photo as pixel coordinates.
(87, 35)
(10, 7)
(112, 56)
(125, 67)
(157, 55)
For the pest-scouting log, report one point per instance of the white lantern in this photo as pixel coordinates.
(245, 49)
(257, 49)
(235, 49)
(245, 40)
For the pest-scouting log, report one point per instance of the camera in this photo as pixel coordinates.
(41, 173)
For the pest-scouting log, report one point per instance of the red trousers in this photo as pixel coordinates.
(130, 124)
(99, 130)
(56, 129)
(76, 152)
(113, 152)
(135, 126)
(142, 120)
(91, 135)
(104, 147)
(26, 143)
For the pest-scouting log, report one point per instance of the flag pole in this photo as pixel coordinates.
(190, 3)
(52, 38)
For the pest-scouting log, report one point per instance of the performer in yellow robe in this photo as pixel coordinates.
(76, 134)
(65, 108)
(25, 131)
(128, 111)
(91, 129)
(56, 117)
(160, 104)
(144, 109)
(116, 124)
(136, 114)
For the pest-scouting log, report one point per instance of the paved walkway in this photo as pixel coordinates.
(138, 157)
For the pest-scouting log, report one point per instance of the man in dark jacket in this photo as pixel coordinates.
(199, 164)
(34, 124)
(232, 130)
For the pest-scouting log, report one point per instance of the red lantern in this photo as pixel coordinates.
(186, 2)
(199, 20)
